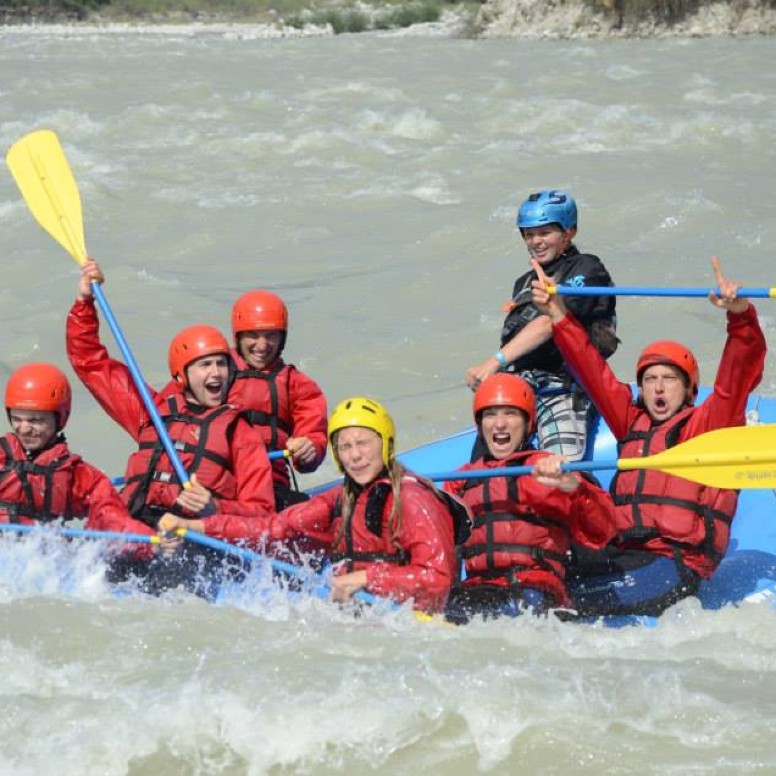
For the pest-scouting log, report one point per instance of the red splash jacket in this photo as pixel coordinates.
(56, 484)
(658, 512)
(237, 473)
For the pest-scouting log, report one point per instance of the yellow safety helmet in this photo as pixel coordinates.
(363, 412)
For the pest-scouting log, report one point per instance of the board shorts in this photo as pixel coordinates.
(566, 419)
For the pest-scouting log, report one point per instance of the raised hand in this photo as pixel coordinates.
(728, 298)
(550, 304)
(90, 270)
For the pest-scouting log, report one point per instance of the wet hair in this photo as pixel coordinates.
(350, 492)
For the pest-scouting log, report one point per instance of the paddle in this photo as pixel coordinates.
(321, 590)
(82, 533)
(709, 459)
(41, 172)
(749, 293)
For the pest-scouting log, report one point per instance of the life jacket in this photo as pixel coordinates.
(691, 521)
(267, 398)
(37, 489)
(508, 538)
(376, 513)
(521, 311)
(203, 441)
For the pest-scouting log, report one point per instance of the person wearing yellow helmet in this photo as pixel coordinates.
(388, 531)
(41, 481)
(224, 456)
(515, 558)
(672, 533)
(286, 405)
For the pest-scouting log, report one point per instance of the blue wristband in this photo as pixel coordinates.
(499, 356)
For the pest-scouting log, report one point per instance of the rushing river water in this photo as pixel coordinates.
(372, 182)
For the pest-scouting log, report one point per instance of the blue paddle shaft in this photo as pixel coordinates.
(750, 293)
(278, 565)
(197, 538)
(517, 471)
(81, 533)
(142, 388)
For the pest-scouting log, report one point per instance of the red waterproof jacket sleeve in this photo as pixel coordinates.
(252, 473)
(108, 380)
(612, 398)
(310, 518)
(94, 496)
(308, 406)
(588, 511)
(739, 373)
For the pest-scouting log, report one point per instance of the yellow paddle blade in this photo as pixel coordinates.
(734, 458)
(43, 176)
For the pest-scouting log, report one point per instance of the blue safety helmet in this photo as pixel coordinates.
(548, 206)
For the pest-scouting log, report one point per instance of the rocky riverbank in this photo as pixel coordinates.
(543, 19)
(534, 19)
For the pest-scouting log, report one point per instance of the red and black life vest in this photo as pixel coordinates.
(203, 442)
(507, 537)
(267, 398)
(687, 516)
(38, 489)
(376, 512)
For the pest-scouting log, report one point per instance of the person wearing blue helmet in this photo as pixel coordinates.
(547, 221)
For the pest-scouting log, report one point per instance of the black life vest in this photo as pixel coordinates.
(563, 270)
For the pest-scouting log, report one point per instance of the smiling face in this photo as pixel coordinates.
(360, 450)
(503, 430)
(663, 391)
(259, 347)
(546, 243)
(208, 380)
(34, 428)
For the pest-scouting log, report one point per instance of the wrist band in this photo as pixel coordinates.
(499, 356)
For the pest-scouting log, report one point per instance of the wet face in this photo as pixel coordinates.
(360, 451)
(208, 380)
(34, 428)
(663, 391)
(546, 243)
(503, 430)
(259, 347)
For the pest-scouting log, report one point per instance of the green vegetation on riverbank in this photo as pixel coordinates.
(342, 15)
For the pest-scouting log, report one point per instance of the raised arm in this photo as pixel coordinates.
(108, 380)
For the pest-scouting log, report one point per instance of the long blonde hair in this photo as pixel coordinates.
(350, 494)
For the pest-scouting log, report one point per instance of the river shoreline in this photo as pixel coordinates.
(527, 19)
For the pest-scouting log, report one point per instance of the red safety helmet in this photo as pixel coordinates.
(40, 387)
(506, 390)
(673, 353)
(259, 310)
(192, 343)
